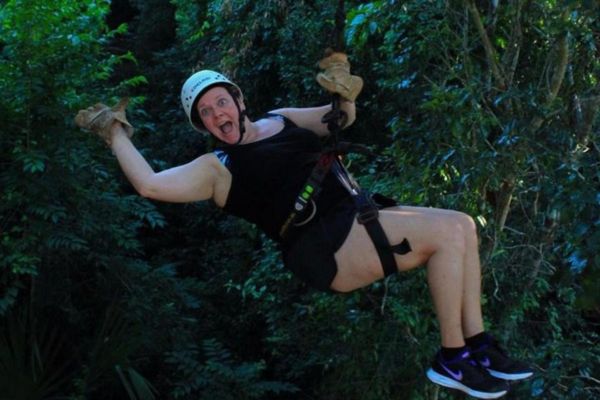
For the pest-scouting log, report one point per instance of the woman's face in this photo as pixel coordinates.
(219, 114)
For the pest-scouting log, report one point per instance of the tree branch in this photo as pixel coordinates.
(511, 56)
(560, 67)
(504, 201)
(586, 110)
(490, 52)
(558, 75)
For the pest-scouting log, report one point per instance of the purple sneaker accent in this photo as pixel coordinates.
(485, 362)
(493, 358)
(456, 375)
(464, 374)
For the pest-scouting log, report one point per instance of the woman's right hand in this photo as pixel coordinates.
(201, 179)
(101, 119)
(117, 129)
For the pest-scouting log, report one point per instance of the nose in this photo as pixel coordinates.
(217, 113)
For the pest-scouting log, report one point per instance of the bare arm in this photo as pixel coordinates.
(310, 118)
(193, 181)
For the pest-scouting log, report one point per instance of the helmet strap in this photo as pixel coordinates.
(241, 123)
(242, 114)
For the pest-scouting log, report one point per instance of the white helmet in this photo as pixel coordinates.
(194, 86)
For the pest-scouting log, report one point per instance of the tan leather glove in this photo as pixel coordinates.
(100, 118)
(336, 76)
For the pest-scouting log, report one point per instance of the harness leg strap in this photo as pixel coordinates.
(368, 215)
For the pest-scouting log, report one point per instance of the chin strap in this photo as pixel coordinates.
(241, 123)
(241, 113)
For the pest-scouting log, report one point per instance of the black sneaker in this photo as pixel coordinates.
(491, 357)
(464, 374)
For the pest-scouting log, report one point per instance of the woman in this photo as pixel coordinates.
(257, 173)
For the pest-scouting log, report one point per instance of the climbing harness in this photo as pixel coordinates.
(368, 212)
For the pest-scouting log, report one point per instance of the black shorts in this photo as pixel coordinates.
(310, 254)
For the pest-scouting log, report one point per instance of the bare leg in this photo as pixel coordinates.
(472, 320)
(444, 240)
(445, 275)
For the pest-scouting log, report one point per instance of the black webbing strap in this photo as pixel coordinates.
(334, 119)
(367, 210)
(368, 216)
(310, 190)
(312, 187)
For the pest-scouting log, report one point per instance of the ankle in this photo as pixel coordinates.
(478, 340)
(450, 353)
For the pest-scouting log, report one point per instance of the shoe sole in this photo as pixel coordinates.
(509, 377)
(452, 384)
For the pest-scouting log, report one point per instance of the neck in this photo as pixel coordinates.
(252, 131)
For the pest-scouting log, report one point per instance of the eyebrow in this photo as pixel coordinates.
(219, 97)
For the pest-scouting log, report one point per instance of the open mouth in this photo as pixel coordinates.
(226, 128)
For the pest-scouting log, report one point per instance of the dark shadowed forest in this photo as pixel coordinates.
(487, 107)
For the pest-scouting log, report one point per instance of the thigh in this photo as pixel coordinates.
(424, 228)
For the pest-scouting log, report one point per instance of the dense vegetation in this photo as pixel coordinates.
(486, 107)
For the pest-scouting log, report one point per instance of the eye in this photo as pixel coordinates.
(204, 112)
(223, 102)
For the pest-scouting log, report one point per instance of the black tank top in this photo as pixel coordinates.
(269, 174)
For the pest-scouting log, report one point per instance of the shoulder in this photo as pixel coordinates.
(208, 159)
(217, 160)
(211, 165)
(221, 176)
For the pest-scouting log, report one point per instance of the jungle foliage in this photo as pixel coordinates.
(486, 107)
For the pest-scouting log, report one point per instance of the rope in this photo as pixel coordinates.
(340, 24)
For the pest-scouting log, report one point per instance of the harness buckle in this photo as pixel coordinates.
(366, 215)
(367, 210)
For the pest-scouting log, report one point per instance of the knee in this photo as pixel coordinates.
(468, 227)
(453, 234)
